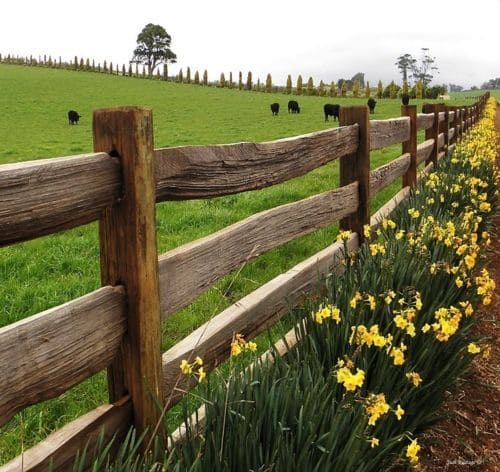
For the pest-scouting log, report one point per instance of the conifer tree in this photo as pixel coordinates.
(75, 64)
(392, 90)
(405, 90)
(299, 85)
(240, 80)
(123, 70)
(105, 66)
(249, 81)
(310, 86)
(197, 78)
(269, 83)
(205, 77)
(380, 89)
(343, 89)
(355, 89)
(333, 89)
(165, 71)
(180, 77)
(321, 89)
(419, 90)
(368, 92)
(188, 75)
(222, 80)
(288, 89)
(230, 85)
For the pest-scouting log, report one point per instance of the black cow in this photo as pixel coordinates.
(73, 117)
(371, 104)
(275, 108)
(293, 107)
(331, 110)
(405, 98)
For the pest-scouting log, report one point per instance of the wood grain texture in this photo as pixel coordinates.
(451, 115)
(410, 146)
(356, 168)
(384, 133)
(451, 134)
(424, 150)
(49, 195)
(385, 175)
(188, 270)
(60, 448)
(127, 233)
(46, 354)
(425, 120)
(440, 141)
(210, 171)
(249, 316)
(441, 115)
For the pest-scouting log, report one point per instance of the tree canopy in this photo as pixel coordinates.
(153, 47)
(418, 69)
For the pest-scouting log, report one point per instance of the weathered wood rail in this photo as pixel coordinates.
(118, 326)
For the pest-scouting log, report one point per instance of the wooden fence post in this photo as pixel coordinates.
(356, 167)
(410, 146)
(445, 126)
(129, 257)
(453, 124)
(432, 132)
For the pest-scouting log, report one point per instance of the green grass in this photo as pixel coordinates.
(46, 272)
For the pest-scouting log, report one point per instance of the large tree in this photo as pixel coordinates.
(405, 64)
(153, 47)
(422, 70)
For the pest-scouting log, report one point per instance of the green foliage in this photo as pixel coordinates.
(321, 89)
(240, 81)
(419, 90)
(249, 81)
(188, 75)
(355, 88)
(269, 84)
(333, 89)
(153, 47)
(205, 77)
(368, 92)
(288, 89)
(310, 87)
(299, 85)
(343, 89)
(222, 80)
(380, 89)
(180, 76)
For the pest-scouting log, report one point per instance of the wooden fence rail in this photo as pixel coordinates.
(118, 326)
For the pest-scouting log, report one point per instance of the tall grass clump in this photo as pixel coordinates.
(375, 356)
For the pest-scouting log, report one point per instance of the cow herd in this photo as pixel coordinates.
(329, 109)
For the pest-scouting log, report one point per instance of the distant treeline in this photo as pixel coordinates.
(355, 87)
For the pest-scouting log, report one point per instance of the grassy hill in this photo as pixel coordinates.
(52, 270)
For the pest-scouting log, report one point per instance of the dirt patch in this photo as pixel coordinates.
(468, 437)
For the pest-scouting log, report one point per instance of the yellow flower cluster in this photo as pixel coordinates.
(414, 378)
(239, 345)
(412, 451)
(196, 368)
(375, 407)
(328, 312)
(349, 380)
(361, 336)
(485, 286)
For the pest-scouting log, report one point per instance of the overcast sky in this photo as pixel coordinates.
(325, 40)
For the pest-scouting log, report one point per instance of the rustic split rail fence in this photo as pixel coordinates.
(117, 327)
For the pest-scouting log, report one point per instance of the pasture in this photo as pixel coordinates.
(49, 271)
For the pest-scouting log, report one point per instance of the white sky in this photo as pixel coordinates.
(325, 40)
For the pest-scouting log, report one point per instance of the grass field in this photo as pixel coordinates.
(46, 272)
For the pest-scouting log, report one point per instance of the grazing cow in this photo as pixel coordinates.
(275, 108)
(405, 98)
(293, 107)
(73, 117)
(371, 104)
(331, 110)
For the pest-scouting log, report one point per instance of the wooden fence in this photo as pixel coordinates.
(117, 327)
